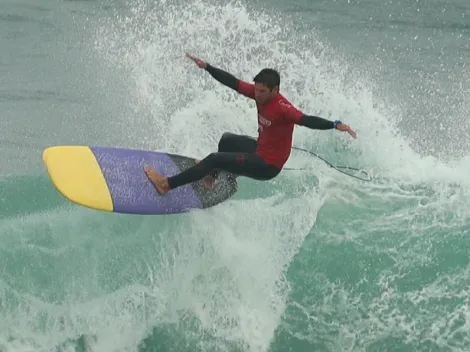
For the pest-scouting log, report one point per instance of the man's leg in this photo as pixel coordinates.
(243, 164)
(234, 143)
(231, 142)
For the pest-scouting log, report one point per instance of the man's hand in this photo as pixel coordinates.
(346, 128)
(198, 61)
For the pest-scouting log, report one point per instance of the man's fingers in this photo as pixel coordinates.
(198, 61)
(191, 57)
(346, 128)
(351, 132)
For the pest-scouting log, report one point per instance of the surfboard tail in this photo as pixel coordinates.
(75, 172)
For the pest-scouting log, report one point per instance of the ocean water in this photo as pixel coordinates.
(311, 261)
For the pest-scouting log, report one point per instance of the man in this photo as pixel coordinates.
(260, 159)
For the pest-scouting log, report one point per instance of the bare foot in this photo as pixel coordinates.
(158, 181)
(208, 180)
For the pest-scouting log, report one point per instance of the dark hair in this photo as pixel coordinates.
(269, 77)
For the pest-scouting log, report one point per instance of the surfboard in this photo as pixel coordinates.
(112, 179)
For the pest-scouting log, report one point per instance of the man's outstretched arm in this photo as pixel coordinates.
(225, 78)
(313, 122)
(316, 123)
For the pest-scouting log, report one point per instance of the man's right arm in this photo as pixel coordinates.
(231, 81)
(223, 77)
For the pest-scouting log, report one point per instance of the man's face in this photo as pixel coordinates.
(263, 93)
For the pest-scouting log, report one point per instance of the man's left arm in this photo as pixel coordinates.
(316, 123)
(313, 122)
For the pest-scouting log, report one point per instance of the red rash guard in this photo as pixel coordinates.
(276, 121)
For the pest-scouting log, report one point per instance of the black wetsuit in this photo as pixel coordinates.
(236, 154)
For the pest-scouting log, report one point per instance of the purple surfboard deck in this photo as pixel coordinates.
(130, 189)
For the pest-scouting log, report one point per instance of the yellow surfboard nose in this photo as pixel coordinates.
(76, 174)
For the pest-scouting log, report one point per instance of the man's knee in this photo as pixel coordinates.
(226, 135)
(225, 141)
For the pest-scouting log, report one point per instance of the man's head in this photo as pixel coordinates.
(267, 83)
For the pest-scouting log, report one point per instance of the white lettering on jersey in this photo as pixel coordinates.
(263, 122)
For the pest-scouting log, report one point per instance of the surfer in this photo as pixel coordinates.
(262, 158)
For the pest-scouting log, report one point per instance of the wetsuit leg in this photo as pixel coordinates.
(242, 164)
(236, 143)
(231, 142)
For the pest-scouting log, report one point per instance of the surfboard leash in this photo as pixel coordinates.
(336, 167)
